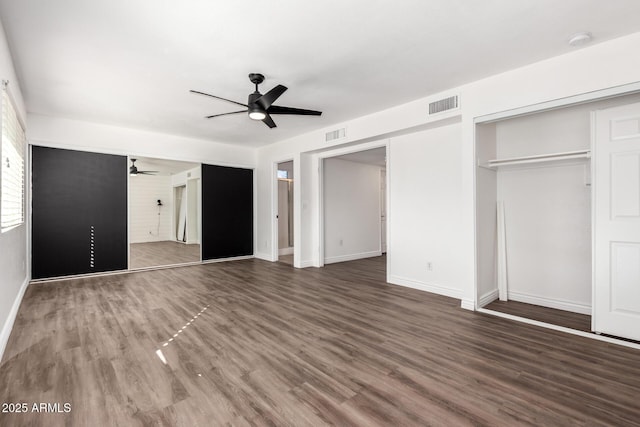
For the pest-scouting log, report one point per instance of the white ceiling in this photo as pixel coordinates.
(132, 63)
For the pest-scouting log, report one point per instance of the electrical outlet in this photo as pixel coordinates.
(340, 242)
(429, 266)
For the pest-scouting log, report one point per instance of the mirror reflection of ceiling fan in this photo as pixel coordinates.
(133, 170)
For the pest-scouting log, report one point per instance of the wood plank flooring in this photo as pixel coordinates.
(253, 343)
(580, 322)
(153, 254)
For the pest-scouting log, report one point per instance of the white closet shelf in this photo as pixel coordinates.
(540, 158)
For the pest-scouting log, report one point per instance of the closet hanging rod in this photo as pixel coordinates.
(540, 158)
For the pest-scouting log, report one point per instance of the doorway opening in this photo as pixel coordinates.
(285, 229)
(354, 206)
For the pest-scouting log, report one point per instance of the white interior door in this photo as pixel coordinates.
(616, 157)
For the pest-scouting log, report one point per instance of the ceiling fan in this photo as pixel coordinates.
(133, 170)
(259, 106)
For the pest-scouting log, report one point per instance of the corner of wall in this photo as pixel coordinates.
(264, 256)
(426, 287)
(467, 304)
(488, 298)
(308, 263)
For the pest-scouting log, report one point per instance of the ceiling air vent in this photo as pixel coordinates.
(445, 104)
(335, 134)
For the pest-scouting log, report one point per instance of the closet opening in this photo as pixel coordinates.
(535, 215)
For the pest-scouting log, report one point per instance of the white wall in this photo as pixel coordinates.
(145, 225)
(14, 262)
(306, 212)
(425, 211)
(548, 236)
(181, 178)
(351, 210)
(547, 210)
(86, 136)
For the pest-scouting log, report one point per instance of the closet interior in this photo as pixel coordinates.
(534, 220)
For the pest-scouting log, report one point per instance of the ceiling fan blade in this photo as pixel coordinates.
(226, 114)
(218, 97)
(269, 98)
(276, 109)
(147, 172)
(269, 121)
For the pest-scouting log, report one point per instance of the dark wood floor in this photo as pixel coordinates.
(580, 322)
(153, 254)
(257, 343)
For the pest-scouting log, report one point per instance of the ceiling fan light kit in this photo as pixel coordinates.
(257, 115)
(259, 106)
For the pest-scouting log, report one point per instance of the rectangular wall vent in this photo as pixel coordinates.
(335, 134)
(445, 104)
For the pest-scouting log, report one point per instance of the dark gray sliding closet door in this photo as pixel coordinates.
(227, 212)
(79, 212)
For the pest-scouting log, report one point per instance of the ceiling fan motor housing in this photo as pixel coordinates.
(253, 105)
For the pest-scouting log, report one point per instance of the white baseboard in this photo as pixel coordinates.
(351, 257)
(305, 264)
(467, 304)
(427, 287)
(154, 240)
(264, 256)
(11, 318)
(551, 303)
(285, 251)
(488, 298)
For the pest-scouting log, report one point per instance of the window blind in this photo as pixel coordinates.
(13, 147)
